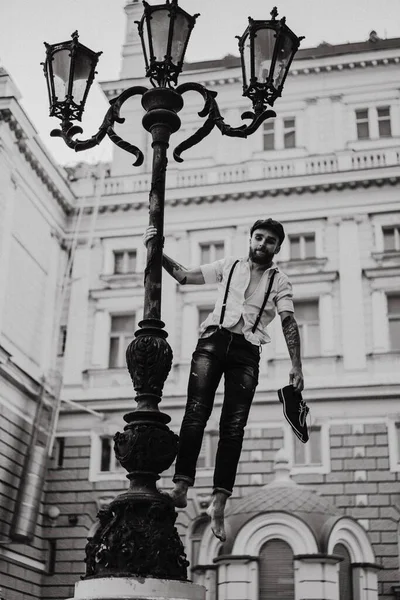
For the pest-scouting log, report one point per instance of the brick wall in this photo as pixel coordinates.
(19, 578)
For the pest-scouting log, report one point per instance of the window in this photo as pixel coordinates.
(362, 124)
(269, 135)
(62, 340)
(309, 454)
(391, 239)
(289, 133)
(302, 246)
(211, 251)
(121, 334)
(208, 450)
(276, 571)
(307, 317)
(394, 321)
(108, 462)
(384, 126)
(196, 538)
(124, 262)
(345, 573)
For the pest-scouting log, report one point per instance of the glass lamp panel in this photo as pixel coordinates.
(246, 60)
(159, 27)
(145, 42)
(283, 56)
(82, 69)
(264, 42)
(61, 66)
(180, 36)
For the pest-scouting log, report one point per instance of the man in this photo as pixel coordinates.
(251, 290)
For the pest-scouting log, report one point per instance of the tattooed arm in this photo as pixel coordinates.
(180, 273)
(292, 336)
(177, 271)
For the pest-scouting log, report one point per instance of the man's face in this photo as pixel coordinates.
(264, 244)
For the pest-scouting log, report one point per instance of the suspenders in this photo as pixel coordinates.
(228, 283)
(267, 293)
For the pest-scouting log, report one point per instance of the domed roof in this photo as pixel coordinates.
(283, 495)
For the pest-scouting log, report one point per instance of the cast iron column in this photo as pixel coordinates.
(136, 533)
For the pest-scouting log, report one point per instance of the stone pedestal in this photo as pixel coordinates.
(136, 588)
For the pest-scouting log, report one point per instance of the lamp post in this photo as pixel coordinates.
(136, 535)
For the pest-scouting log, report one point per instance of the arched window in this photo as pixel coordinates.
(345, 573)
(195, 540)
(276, 571)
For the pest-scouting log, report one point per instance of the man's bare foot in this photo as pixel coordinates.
(179, 494)
(216, 512)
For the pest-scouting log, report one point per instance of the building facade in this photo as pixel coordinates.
(327, 167)
(35, 198)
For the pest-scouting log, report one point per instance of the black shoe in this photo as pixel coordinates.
(295, 410)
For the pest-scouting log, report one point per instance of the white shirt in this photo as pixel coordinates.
(280, 298)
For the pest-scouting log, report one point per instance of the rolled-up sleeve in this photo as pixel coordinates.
(284, 296)
(212, 272)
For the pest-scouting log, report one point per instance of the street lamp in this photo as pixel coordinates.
(136, 533)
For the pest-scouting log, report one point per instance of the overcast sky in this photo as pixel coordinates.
(26, 24)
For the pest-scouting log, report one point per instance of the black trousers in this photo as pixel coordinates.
(222, 353)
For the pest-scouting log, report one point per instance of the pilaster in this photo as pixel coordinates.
(316, 577)
(351, 295)
(77, 318)
(7, 204)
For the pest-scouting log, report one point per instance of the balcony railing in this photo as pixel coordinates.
(319, 372)
(259, 169)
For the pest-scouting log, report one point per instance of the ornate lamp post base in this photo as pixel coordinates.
(131, 588)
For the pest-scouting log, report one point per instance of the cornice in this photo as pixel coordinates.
(208, 80)
(248, 195)
(7, 116)
(349, 64)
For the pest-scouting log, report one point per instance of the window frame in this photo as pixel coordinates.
(289, 444)
(121, 244)
(392, 317)
(287, 131)
(269, 132)
(212, 248)
(363, 121)
(308, 449)
(303, 327)
(120, 336)
(95, 473)
(125, 260)
(302, 237)
(383, 120)
(396, 230)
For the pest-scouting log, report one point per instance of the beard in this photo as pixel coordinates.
(264, 258)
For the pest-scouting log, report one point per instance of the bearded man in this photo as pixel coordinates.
(251, 290)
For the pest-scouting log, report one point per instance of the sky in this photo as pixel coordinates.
(26, 24)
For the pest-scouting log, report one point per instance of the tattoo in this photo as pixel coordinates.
(174, 269)
(292, 337)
